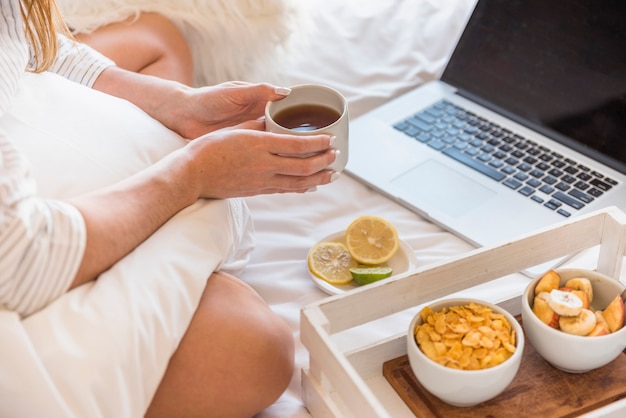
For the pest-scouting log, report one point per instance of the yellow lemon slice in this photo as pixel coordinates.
(372, 240)
(331, 261)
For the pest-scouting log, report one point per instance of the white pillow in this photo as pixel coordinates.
(101, 350)
(78, 139)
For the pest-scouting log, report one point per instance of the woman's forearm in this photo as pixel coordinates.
(159, 98)
(122, 216)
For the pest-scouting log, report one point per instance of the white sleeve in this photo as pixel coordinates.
(14, 52)
(79, 62)
(42, 241)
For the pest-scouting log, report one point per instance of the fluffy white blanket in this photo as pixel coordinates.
(229, 39)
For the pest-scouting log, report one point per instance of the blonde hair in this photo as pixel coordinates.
(42, 21)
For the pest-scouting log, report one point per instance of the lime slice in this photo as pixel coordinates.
(367, 275)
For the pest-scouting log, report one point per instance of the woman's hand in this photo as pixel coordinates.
(191, 112)
(245, 160)
(207, 109)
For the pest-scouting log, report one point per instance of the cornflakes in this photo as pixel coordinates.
(467, 337)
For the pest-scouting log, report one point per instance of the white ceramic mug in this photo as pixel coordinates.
(309, 96)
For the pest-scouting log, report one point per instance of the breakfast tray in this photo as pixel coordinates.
(350, 383)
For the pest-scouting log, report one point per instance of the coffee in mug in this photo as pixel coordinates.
(306, 117)
(312, 109)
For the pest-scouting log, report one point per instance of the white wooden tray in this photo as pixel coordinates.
(349, 383)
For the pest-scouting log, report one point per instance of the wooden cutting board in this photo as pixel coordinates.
(538, 389)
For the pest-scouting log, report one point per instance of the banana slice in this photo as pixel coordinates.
(582, 324)
(581, 283)
(565, 303)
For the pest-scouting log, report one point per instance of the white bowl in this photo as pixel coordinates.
(573, 353)
(463, 387)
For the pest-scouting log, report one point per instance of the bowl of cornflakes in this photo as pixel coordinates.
(574, 318)
(464, 351)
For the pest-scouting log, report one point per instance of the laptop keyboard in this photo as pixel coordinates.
(548, 178)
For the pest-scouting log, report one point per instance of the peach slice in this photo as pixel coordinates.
(548, 282)
(614, 314)
(600, 318)
(601, 328)
(581, 283)
(544, 312)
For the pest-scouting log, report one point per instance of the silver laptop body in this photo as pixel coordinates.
(540, 76)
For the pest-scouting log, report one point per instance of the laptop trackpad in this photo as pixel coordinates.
(443, 188)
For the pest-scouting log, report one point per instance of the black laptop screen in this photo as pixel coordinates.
(556, 66)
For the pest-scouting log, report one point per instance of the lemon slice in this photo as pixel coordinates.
(367, 275)
(372, 240)
(331, 261)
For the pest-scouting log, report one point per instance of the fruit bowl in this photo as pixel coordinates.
(565, 351)
(458, 387)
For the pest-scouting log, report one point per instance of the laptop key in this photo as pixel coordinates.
(581, 185)
(543, 167)
(472, 163)
(436, 144)
(423, 137)
(552, 204)
(418, 123)
(512, 183)
(425, 117)
(507, 169)
(564, 213)
(600, 184)
(401, 126)
(563, 186)
(526, 190)
(521, 176)
(595, 192)
(549, 180)
(568, 200)
(412, 131)
(568, 179)
(580, 195)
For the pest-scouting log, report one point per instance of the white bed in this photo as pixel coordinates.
(369, 50)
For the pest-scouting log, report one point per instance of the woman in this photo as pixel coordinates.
(230, 156)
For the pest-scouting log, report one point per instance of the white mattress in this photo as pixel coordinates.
(369, 50)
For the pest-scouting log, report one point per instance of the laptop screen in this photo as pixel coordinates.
(558, 67)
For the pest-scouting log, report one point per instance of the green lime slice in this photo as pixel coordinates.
(366, 275)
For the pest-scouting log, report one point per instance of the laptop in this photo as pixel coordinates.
(526, 127)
